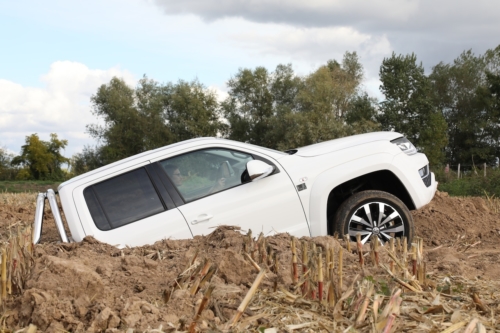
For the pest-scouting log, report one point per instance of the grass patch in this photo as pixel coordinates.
(470, 183)
(27, 186)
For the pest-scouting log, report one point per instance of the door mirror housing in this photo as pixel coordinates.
(258, 169)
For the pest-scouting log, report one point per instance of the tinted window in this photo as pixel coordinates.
(100, 220)
(205, 172)
(122, 200)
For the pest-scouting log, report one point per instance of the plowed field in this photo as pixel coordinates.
(96, 287)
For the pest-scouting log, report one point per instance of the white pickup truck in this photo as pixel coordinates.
(364, 184)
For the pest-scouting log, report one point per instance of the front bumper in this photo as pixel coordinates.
(431, 185)
(420, 189)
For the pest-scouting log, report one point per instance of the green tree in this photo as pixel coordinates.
(320, 108)
(4, 159)
(492, 102)
(147, 117)
(362, 115)
(191, 110)
(282, 110)
(42, 159)
(89, 159)
(325, 101)
(249, 107)
(465, 93)
(6, 170)
(262, 106)
(122, 133)
(409, 107)
(494, 90)
(345, 80)
(150, 105)
(332, 88)
(362, 108)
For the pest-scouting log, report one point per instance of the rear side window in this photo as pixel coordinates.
(122, 200)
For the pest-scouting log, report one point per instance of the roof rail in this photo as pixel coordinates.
(40, 204)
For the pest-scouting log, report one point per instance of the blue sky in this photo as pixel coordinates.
(54, 54)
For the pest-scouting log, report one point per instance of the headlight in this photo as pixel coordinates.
(405, 146)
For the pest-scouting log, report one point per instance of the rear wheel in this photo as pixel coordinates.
(374, 213)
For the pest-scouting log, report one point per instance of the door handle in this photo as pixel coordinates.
(202, 218)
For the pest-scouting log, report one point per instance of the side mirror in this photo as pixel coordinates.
(258, 169)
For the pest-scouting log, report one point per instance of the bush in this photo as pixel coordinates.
(470, 183)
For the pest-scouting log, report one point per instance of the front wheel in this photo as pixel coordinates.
(374, 213)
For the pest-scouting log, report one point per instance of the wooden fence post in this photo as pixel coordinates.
(484, 170)
(458, 173)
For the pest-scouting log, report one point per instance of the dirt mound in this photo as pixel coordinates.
(95, 287)
(91, 286)
(446, 220)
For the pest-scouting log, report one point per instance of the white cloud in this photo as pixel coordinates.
(220, 92)
(315, 45)
(62, 106)
(434, 30)
(300, 42)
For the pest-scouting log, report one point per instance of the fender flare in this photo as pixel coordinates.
(331, 178)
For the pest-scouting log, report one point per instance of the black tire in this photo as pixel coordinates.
(351, 217)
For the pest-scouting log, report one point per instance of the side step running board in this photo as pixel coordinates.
(40, 204)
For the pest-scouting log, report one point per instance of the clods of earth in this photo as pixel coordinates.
(95, 287)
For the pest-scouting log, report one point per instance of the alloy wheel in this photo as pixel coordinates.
(376, 218)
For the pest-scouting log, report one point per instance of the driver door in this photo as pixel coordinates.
(217, 192)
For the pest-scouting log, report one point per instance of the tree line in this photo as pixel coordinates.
(451, 114)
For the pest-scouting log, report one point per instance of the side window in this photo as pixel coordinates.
(122, 200)
(204, 172)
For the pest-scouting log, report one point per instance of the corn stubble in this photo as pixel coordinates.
(317, 299)
(331, 290)
(16, 263)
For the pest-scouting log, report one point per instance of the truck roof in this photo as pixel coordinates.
(131, 158)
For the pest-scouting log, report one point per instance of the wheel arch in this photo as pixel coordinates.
(381, 180)
(335, 185)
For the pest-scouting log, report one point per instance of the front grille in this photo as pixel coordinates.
(427, 179)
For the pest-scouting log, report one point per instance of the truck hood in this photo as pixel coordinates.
(343, 143)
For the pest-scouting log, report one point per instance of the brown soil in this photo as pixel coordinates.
(91, 286)
(468, 233)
